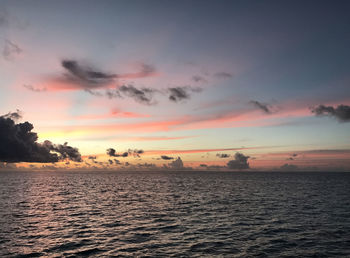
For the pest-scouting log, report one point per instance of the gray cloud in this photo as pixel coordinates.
(66, 151)
(85, 76)
(240, 162)
(199, 79)
(10, 50)
(31, 88)
(13, 115)
(177, 94)
(145, 71)
(166, 157)
(176, 164)
(341, 112)
(143, 95)
(262, 106)
(223, 155)
(289, 167)
(19, 144)
(223, 75)
(134, 152)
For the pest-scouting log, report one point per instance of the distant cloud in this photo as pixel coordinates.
(223, 155)
(143, 95)
(292, 156)
(10, 50)
(147, 95)
(341, 112)
(176, 164)
(199, 79)
(289, 167)
(65, 151)
(84, 75)
(177, 94)
(240, 162)
(7, 166)
(13, 115)
(19, 144)
(31, 88)
(146, 70)
(134, 152)
(262, 106)
(223, 75)
(87, 77)
(112, 153)
(166, 157)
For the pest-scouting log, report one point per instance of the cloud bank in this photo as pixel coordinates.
(19, 144)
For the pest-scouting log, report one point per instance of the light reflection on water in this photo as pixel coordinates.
(174, 214)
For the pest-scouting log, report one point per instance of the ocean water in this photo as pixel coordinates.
(179, 214)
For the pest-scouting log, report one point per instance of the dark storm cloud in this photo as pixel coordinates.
(19, 144)
(10, 50)
(240, 162)
(341, 112)
(166, 157)
(142, 95)
(223, 155)
(65, 151)
(177, 94)
(84, 75)
(68, 152)
(31, 88)
(223, 75)
(199, 79)
(262, 106)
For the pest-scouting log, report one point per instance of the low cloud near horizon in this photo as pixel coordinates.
(19, 144)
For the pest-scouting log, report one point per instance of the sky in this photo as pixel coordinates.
(255, 85)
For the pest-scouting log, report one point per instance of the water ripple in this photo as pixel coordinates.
(174, 214)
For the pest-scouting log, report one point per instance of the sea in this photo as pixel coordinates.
(174, 214)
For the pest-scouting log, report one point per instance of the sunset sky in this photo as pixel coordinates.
(199, 80)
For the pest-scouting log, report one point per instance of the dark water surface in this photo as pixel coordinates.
(174, 214)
